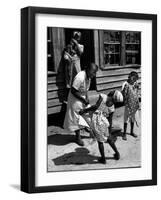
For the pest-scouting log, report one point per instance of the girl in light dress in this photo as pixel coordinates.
(99, 119)
(131, 100)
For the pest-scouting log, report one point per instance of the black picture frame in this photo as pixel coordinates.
(28, 98)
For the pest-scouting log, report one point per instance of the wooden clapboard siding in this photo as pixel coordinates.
(55, 109)
(54, 102)
(107, 80)
(112, 79)
(54, 79)
(111, 85)
(55, 86)
(115, 71)
(56, 94)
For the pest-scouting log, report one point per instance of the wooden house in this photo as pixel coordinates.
(117, 53)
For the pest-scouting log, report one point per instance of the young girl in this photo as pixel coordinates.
(131, 100)
(97, 117)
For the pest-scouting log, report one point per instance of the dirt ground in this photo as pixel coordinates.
(65, 155)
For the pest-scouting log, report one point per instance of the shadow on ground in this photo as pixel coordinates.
(79, 157)
(59, 139)
(15, 186)
(116, 132)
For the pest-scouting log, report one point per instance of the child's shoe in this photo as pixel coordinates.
(134, 135)
(102, 160)
(117, 156)
(124, 137)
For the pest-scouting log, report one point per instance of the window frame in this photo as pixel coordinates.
(123, 43)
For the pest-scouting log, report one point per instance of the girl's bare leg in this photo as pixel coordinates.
(124, 134)
(101, 149)
(112, 144)
(79, 141)
(132, 130)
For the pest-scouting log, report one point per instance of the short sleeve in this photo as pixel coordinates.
(125, 90)
(124, 85)
(104, 97)
(78, 80)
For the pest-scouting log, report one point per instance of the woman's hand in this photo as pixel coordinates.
(86, 102)
(74, 41)
(81, 112)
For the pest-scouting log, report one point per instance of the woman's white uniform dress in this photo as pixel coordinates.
(82, 84)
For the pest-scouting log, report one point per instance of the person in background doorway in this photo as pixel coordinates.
(78, 99)
(71, 55)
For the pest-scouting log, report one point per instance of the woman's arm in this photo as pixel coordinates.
(110, 121)
(78, 48)
(93, 107)
(78, 96)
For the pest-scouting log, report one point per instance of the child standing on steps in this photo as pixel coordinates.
(97, 118)
(131, 100)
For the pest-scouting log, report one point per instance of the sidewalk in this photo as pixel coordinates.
(65, 155)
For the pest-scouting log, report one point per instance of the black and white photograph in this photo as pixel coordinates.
(93, 99)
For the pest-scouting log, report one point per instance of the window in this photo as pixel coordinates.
(119, 48)
(111, 47)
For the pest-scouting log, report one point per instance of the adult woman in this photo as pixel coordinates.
(78, 99)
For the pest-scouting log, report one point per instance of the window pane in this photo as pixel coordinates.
(111, 47)
(132, 47)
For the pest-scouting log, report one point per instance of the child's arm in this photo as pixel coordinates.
(125, 92)
(93, 107)
(137, 86)
(77, 45)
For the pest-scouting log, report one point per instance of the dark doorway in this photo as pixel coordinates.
(87, 39)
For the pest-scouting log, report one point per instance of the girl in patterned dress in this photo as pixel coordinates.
(131, 100)
(97, 118)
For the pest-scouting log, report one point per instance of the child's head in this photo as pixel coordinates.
(114, 96)
(133, 77)
(77, 35)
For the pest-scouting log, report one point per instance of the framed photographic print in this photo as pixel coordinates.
(88, 99)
